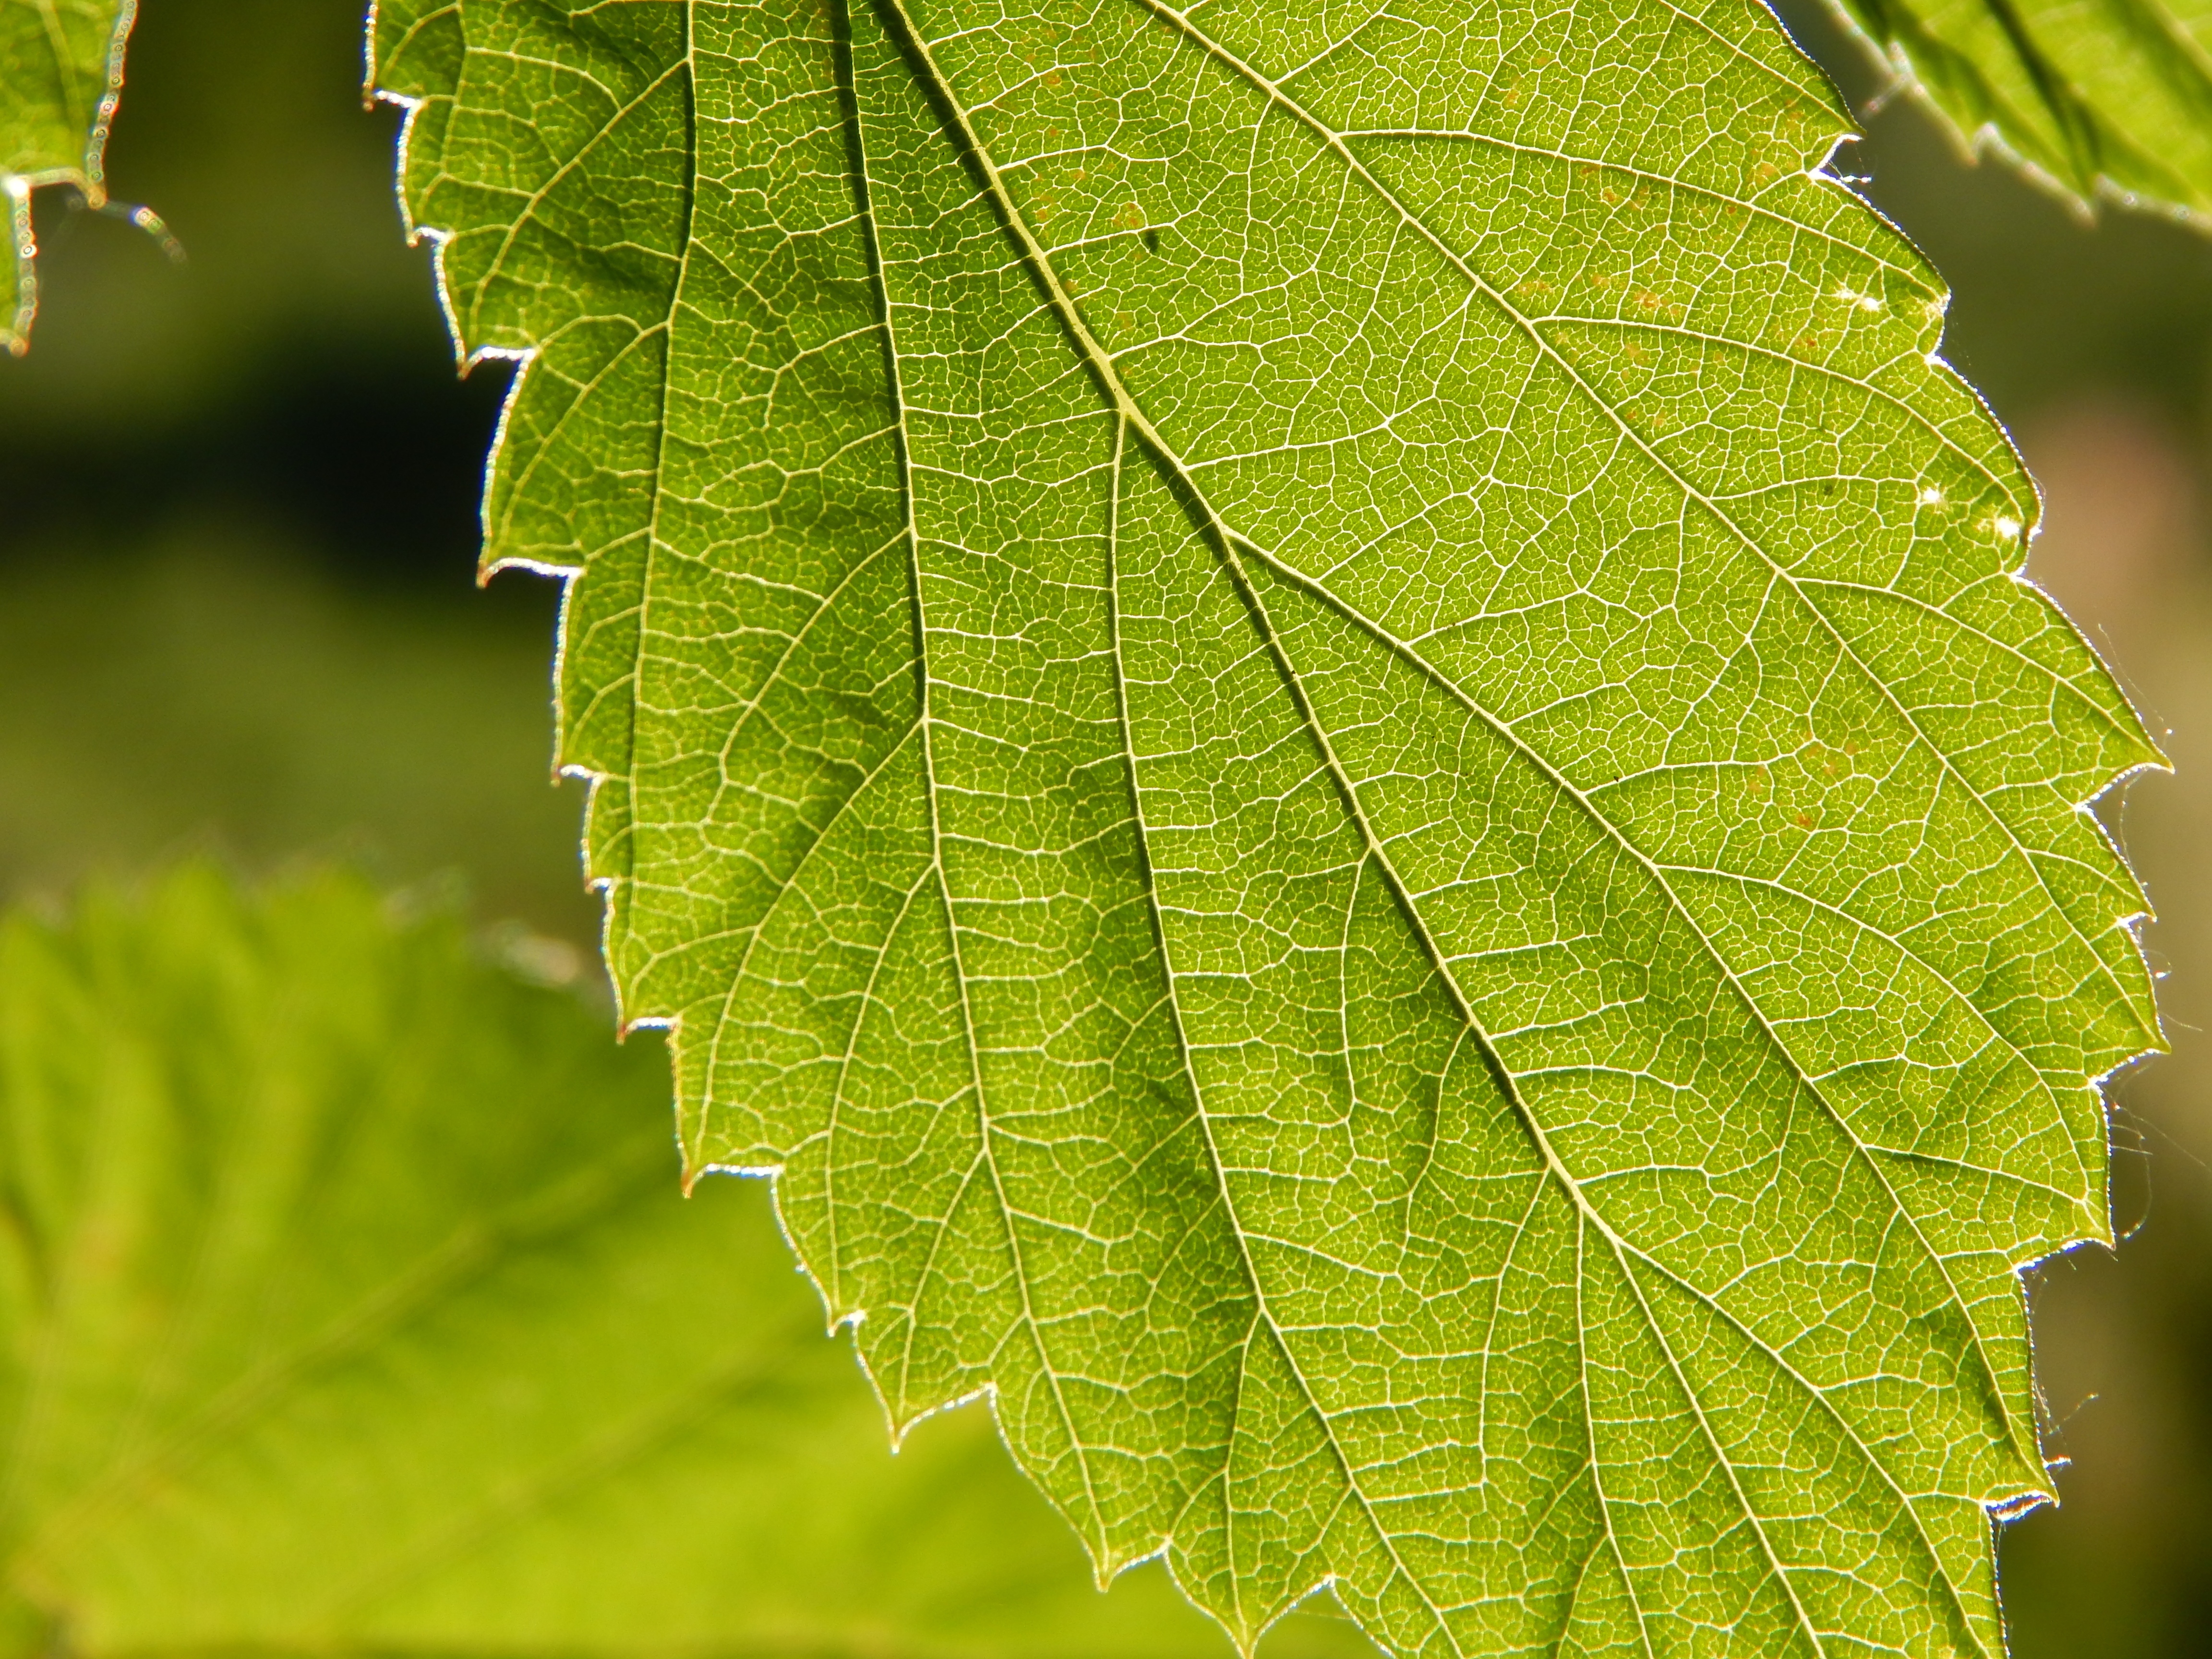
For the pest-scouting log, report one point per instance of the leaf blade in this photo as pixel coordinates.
(1351, 525)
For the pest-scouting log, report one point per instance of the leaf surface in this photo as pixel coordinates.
(2099, 96)
(1320, 719)
(349, 1306)
(61, 65)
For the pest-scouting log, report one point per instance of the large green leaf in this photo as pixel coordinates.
(348, 1304)
(61, 65)
(1322, 720)
(2098, 95)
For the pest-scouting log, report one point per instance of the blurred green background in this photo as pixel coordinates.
(238, 611)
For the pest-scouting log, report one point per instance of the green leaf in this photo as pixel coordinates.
(1321, 721)
(2098, 96)
(349, 1305)
(61, 65)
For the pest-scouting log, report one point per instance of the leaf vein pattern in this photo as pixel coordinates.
(1452, 677)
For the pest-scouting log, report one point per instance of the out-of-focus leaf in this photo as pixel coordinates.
(347, 1303)
(2097, 96)
(61, 65)
(1317, 715)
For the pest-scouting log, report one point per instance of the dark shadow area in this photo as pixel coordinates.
(295, 369)
(238, 505)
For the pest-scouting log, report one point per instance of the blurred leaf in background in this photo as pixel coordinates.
(2097, 96)
(238, 529)
(352, 1305)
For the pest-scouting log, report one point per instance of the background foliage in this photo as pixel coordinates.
(2110, 96)
(294, 601)
(351, 1305)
